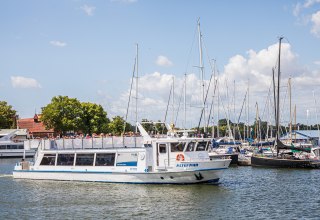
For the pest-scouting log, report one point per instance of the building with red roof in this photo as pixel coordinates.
(35, 127)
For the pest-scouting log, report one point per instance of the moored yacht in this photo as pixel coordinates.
(150, 160)
(11, 146)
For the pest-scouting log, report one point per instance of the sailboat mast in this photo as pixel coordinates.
(185, 101)
(172, 102)
(278, 96)
(202, 74)
(315, 106)
(248, 129)
(137, 77)
(290, 126)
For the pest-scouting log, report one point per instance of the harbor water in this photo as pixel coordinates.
(243, 193)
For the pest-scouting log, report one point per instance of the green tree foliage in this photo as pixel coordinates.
(94, 118)
(62, 114)
(7, 115)
(116, 126)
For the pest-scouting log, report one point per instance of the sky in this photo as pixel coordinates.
(87, 50)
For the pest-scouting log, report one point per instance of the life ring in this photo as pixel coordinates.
(180, 157)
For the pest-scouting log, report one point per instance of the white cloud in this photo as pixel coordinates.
(257, 66)
(89, 10)
(315, 19)
(24, 83)
(309, 3)
(305, 13)
(154, 88)
(297, 8)
(57, 43)
(163, 61)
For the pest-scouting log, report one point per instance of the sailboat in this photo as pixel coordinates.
(286, 155)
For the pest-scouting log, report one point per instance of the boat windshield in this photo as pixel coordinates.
(202, 146)
(177, 147)
(191, 146)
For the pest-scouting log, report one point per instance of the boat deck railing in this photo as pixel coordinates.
(83, 143)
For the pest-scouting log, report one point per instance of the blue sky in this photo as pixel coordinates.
(86, 50)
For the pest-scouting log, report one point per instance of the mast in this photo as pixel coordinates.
(218, 110)
(290, 126)
(278, 96)
(172, 102)
(248, 129)
(295, 121)
(137, 77)
(185, 101)
(315, 106)
(202, 74)
(234, 108)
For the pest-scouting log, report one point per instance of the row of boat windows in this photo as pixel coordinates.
(101, 159)
(181, 146)
(9, 147)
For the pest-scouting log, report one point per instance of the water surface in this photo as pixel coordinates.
(244, 193)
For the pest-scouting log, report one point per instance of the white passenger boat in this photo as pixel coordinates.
(11, 147)
(169, 160)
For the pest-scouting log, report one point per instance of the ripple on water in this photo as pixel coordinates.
(243, 193)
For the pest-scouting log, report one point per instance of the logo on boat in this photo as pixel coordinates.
(187, 165)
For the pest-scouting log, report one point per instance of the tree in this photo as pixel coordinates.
(7, 115)
(62, 114)
(116, 126)
(94, 118)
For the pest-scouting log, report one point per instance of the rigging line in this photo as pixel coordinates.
(225, 112)
(180, 98)
(191, 49)
(214, 93)
(134, 70)
(205, 100)
(265, 107)
(165, 117)
(244, 100)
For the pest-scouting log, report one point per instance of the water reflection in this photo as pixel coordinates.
(243, 193)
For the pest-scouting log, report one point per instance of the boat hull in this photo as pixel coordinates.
(283, 163)
(185, 177)
(233, 157)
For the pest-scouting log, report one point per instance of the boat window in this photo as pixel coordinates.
(105, 159)
(65, 159)
(177, 147)
(148, 145)
(162, 148)
(201, 146)
(48, 159)
(14, 146)
(84, 159)
(127, 159)
(3, 147)
(191, 146)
